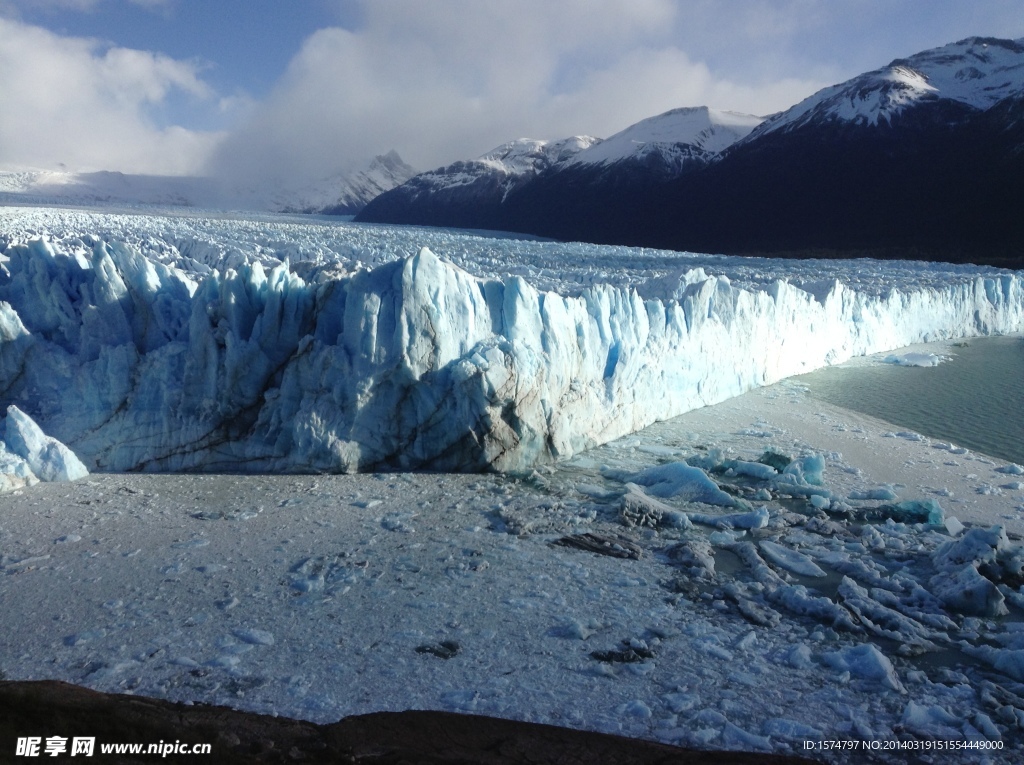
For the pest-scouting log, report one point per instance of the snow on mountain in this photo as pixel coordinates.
(342, 193)
(141, 358)
(526, 155)
(976, 72)
(669, 139)
(518, 184)
(679, 131)
(505, 167)
(356, 189)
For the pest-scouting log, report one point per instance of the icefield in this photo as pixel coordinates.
(170, 344)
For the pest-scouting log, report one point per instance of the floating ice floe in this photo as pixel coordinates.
(790, 559)
(916, 359)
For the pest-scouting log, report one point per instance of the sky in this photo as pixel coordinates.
(292, 91)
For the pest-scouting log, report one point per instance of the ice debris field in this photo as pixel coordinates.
(723, 579)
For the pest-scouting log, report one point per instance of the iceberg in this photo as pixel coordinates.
(147, 350)
(27, 455)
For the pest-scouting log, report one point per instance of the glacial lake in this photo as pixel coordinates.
(976, 399)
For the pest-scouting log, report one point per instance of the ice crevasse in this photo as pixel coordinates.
(413, 364)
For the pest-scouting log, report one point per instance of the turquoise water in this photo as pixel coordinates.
(974, 400)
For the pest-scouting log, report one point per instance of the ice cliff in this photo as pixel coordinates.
(413, 363)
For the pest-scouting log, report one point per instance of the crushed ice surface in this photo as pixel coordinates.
(811, 602)
(819, 623)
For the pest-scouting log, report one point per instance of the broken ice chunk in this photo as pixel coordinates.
(916, 511)
(752, 469)
(254, 636)
(1009, 661)
(820, 502)
(865, 660)
(931, 722)
(755, 519)
(791, 730)
(953, 526)
(15, 472)
(968, 592)
(679, 480)
(977, 546)
(695, 555)
(640, 510)
(790, 559)
(809, 469)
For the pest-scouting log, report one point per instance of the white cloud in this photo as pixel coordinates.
(442, 81)
(77, 102)
(450, 79)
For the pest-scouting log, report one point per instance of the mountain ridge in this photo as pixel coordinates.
(922, 156)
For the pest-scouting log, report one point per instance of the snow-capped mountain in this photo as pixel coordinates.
(977, 73)
(527, 156)
(502, 168)
(340, 194)
(923, 157)
(673, 137)
(920, 158)
(472, 193)
(488, 192)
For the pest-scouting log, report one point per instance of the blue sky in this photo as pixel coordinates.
(284, 90)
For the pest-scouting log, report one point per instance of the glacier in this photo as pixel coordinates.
(178, 344)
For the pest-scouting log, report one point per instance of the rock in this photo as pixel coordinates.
(615, 546)
(47, 708)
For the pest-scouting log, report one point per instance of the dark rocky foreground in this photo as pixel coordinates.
(50, 708)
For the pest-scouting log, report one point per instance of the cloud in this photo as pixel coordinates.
(88, 106)
(440, 82)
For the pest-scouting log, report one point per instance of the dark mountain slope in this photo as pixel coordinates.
(922, 158)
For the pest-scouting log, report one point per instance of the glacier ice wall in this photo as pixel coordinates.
(414, 363)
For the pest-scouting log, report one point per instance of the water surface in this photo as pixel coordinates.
(976, 399)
